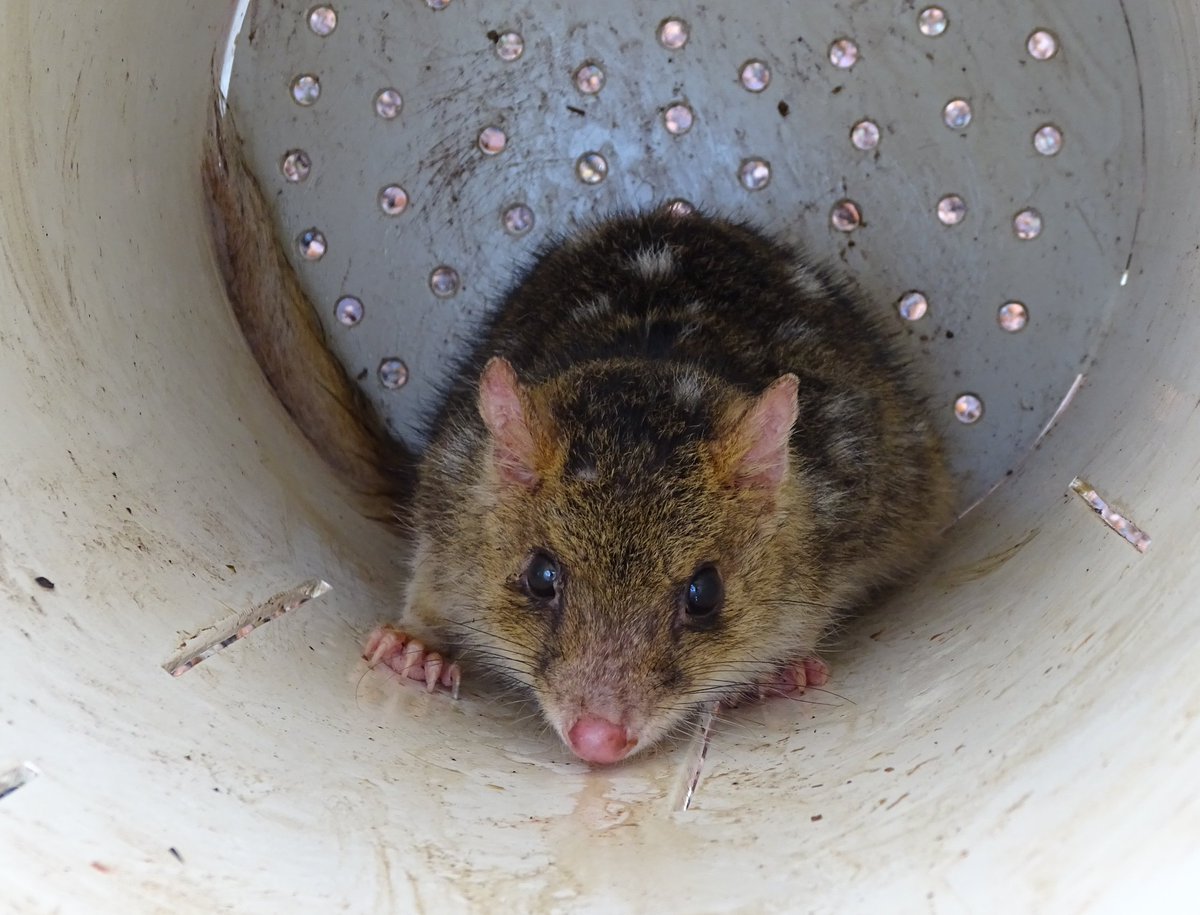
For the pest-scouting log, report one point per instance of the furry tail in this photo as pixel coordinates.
(285, 334)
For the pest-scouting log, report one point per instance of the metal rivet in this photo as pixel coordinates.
(295, 165)
(311, 244)
(306, 89)
(845, 216)
(388, 104)
(591, 168)
(968, 409)
(517, 219)
(348, 310)
(912, 306)
(1042, 45)
(1012, 316)
(393, 374)
(673, 34)
(510, 46)
(957, 114)
(843, 53)
(864, 135)
(322, 20)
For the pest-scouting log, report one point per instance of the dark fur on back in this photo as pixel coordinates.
(284, 333)
(738, 305)
(638, 344)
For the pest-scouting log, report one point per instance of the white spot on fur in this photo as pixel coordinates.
(808, 283)
(827, 500)
(842, 407)
(653, 263)
(592, 310)
(796, 329)
(587, 473)
(846, 450)
(688, 390)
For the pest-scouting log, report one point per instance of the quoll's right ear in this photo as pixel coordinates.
(753, 452)
(505, 407)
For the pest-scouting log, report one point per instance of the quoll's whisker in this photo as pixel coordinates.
(829, 692)
(808, 604)
(482, 650)
(500, 648)
(472, 651)
(492, 635)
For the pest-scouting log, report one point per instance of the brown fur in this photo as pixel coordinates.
(627, 431)
(633, 412)
(285, 334)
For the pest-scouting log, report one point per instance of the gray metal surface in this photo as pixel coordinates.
(454, 84)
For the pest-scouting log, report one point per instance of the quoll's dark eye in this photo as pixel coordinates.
(541, 576)
(704, 593)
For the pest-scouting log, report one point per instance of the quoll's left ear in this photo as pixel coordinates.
(506, 411)
(755, 448)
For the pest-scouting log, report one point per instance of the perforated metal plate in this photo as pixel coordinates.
(482, 129)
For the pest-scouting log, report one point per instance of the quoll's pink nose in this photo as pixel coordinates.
(600, 741)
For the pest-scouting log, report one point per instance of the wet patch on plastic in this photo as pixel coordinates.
(273, 608)
(1139, 539)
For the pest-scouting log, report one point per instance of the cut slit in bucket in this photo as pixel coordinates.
(270, 609)
(1133, 534)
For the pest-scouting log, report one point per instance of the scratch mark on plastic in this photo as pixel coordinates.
(1119, 523)
(17, 777)
(270, 609)
(226, 60)
(1062, 406)
(697, 768)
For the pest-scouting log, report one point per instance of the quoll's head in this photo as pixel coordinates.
(637, 523)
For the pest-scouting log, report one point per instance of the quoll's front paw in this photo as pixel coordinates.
(409, 657)
(796, 677)
(791, 680)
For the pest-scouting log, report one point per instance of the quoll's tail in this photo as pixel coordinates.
(285, 335)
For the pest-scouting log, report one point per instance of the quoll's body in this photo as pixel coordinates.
(678, 453)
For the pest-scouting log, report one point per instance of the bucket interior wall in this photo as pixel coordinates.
(1019, 725)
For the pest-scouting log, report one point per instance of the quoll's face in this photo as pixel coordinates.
(627, 603)
(629, 552)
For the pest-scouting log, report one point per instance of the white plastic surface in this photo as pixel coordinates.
(1024, 727)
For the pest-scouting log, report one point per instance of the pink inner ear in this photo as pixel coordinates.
(504, 414)
(767, 427)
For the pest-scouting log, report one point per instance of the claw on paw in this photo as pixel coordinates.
(410, 658)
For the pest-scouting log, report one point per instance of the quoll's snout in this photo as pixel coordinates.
(599, 720)
(599, 740)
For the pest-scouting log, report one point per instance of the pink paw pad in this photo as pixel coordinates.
(795, 678)
(409, 657)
